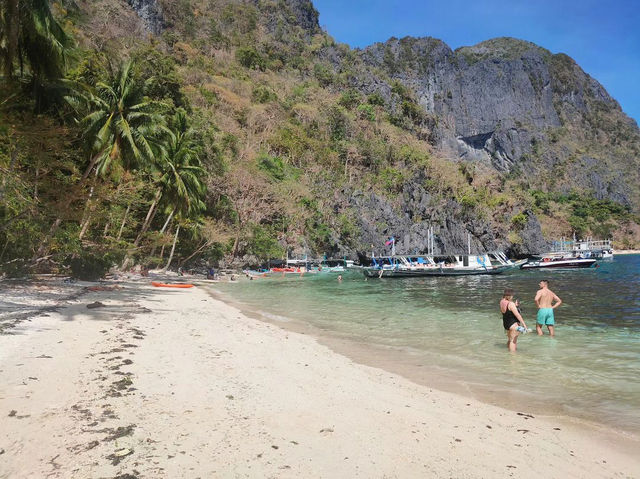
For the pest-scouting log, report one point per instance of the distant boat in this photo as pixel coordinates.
(559, 262)
(586, 248)
(405, 266)
(335, 265)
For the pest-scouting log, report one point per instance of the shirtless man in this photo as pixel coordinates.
(545, 301)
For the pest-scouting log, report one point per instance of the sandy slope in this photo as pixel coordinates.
(189, 387)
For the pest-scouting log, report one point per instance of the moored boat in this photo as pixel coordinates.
(403, 266)
(558, 262)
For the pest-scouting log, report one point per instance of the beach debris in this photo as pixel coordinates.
(13, 413)
(53, 462)
(523, 431)
(44, 356)
(118, 455)
(91, 445)
(229, 396)
(103, 288)
(127, 476)
(556, 429)
(488, 427)
(526, 416)
(96, 304)
(326, 430)
(275, 447)
(458, 440)
(121, 431)
(1, 452)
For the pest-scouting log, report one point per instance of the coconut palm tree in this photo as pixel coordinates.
(183, 177)
(32, 40)
(179, 186)
(119, 126)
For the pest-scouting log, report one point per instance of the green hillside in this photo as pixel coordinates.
(230, 132)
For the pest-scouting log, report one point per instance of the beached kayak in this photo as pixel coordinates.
(170, 285)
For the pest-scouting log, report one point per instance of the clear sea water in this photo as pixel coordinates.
(447, 332)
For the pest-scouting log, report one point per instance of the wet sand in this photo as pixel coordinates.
(174, 383)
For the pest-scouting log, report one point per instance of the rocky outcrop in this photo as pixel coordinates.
(505, 102)
(292, 13)
(409, 218)
(491, 99)
(150, 12)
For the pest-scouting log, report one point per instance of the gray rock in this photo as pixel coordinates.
(150, 12)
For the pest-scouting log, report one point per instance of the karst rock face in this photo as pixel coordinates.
(496, 102)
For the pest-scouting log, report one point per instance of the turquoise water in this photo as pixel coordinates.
(451, 328)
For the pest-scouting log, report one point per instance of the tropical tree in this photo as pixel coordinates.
(120, 126)
(180, 176)
(32, 40)
(177, 164)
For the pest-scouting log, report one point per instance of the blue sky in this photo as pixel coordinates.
(602, 36)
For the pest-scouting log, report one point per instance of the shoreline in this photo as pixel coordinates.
(161, 383)
(398, 361)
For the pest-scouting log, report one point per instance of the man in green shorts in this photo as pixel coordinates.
(545, 301)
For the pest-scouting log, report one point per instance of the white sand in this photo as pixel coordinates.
(212, 393)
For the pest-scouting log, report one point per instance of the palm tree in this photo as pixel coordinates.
(32, 38)
(180, 187)
(182, 180)
(182, 173)
(120, 125)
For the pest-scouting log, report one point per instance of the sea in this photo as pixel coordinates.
(446, 332)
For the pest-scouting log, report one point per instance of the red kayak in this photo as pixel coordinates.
(170, 285)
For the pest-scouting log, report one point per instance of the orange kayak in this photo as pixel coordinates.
(170, 285)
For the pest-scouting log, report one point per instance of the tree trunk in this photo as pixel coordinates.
(166, 223)
(85, 226)
(86, 216)
(197, 251)
(145, 226)
(164, 227)
(173, 248)
(44, 246)
(106, 228)
(12, 24)
(124, 220)
(150, 215)
(35, 185)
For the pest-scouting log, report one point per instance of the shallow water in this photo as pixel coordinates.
(453, 326)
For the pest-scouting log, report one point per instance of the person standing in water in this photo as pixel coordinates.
(545, 301)
(511, 319)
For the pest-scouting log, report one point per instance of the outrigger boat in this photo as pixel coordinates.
(404, 266)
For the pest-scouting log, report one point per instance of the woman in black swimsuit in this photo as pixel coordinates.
(511, 319)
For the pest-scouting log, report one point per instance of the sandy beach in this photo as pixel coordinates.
(162, 383)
